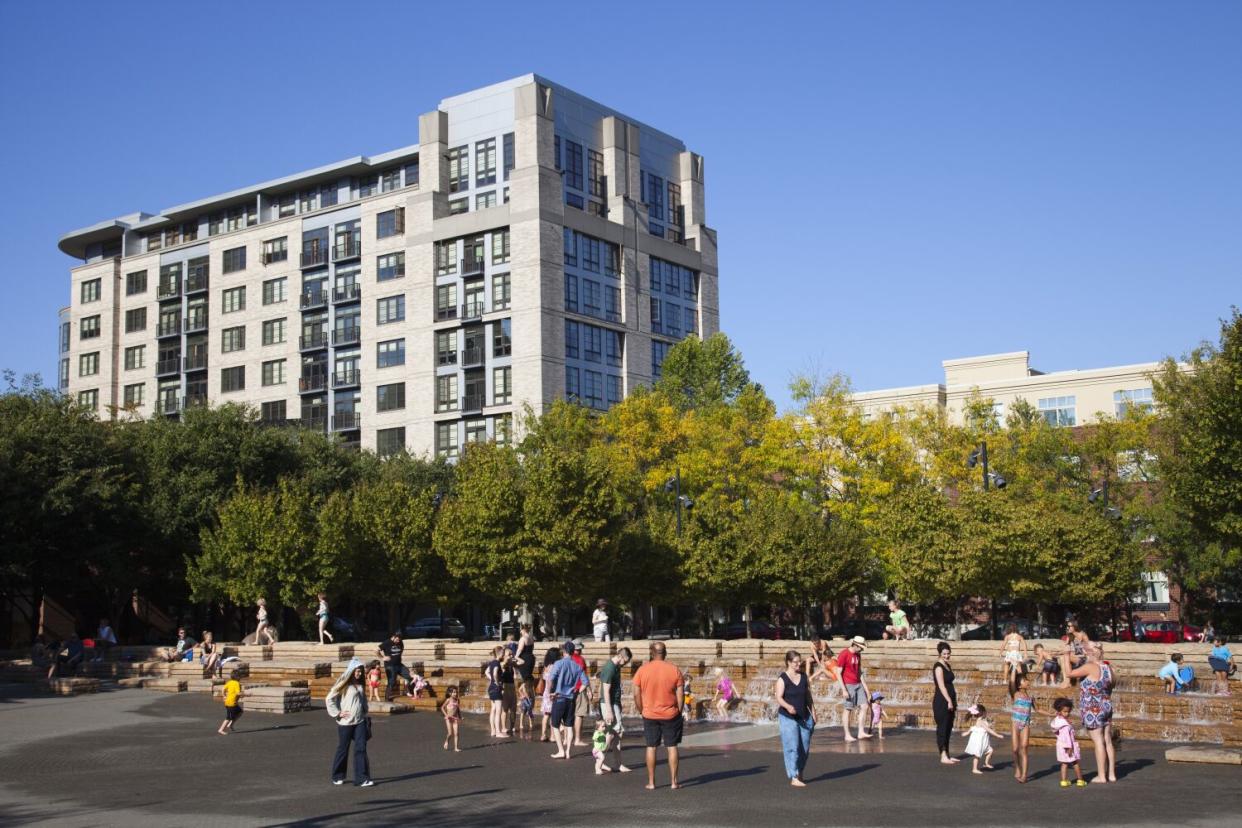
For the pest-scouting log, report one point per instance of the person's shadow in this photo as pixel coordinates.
(842, 773)
(1125, 767)
(717, 776)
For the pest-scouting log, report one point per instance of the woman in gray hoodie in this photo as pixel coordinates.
(347, 703)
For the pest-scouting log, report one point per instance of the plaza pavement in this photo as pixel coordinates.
(135, 758)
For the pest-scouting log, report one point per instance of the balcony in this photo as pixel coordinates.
(314, 257)
(347, 293)
(164, 367)
(346, 336)
(196, 283)
(168, 290)
(443, 314)
(195, 362)
(313, 299)
(170, 328)
(312, 341)
(346, 378)
(471, 265)
(350, 248)
(169, 404)
(472, 310)
(316, 419)
(471, 403)
(471, 357)
(346, 421)
(316, 381)
(194, 324)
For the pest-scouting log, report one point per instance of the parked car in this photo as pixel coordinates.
(1164, 632)
(437, 628)
(345, 629)
(758, 629)
(1027, 628)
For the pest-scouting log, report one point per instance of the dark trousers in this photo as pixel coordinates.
(393, 673)
(944, 726)
(357, 733)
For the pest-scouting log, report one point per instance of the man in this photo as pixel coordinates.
(184, 651)
(900, 626)
(390, 653)
(584, 699)
(564, 678)
(657, 698)
(105, 640)
(849, 676)
(71, 659)
(610, 702)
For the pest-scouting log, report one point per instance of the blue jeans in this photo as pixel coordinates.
(340, 762)
(795, 743)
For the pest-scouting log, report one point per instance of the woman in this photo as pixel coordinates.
(599, 621)
(508, 691)
(347, 703)
(797, 717)
(322, 615)
(944, 701)
(210, 657)
(1075, 653)
(1095, 705)
(496, 717)
(544, 691)
(262, 630)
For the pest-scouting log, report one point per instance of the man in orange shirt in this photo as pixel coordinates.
(657, 698)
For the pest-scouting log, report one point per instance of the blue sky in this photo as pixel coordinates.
(893, 183)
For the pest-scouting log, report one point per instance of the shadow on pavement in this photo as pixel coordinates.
(717, 776)
(843, 772)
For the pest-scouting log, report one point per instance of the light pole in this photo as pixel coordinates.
(673, 484)
(1101, 494)
(981, 455)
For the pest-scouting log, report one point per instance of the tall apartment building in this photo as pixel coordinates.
(533, 245)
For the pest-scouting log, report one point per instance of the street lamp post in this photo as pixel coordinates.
(980, 455)
(673, 484)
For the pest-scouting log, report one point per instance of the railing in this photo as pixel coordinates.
(172, 365)
(471, 264)
(446, 313)
(195, 362)
(346, 293)
(313, 299)
(168, 290)
(169, 404)
(472, 402)
(346, 378)
(319, 339)
(472, 310)
(195, 323)
(318, 422)
(313, 382)
(195, 284)
(168, 328)
(471, 357)
(346, 336)
(315, 257)
(346, 421)
(348, 249)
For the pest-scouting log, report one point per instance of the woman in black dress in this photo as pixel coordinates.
(944, 701)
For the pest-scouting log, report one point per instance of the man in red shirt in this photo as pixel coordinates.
(657, 698)
(849, 676)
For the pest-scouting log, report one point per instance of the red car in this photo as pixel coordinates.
(1165, 632)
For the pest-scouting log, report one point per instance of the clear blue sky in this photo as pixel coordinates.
(893, 183)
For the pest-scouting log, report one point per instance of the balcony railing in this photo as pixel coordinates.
(347, 249)
(195, 323)
(346, 421)
(172, 365)
(471, 357)
(311, 341)
(314, 299)
(195, 362)
(472, 310)
(315, 419)
(172, 328)
(168, 290)
(446, 313)
(346, 378)
(313, 382)
(195, 284)
(472, 402)
(346, 336)
(471, 265)
(315, 257)
(346, 293)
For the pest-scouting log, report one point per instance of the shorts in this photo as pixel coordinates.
(232, 714)
(508, 696)
(662, 731)
(854, 696)
(562, 712)
(617, 728)
(1218, 665)
(582, 707)
(494, 693)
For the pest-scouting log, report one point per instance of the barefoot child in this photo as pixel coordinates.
(877, 714)
(722, 694)
(599, 743)
(1049, 667)
(525, 706)
(232, 703)
(1067, 746)
(687, 698)
(417, 686)
(1022, 705)
(1013, 650)
(373, 679)
(451, 708)
(980, 745)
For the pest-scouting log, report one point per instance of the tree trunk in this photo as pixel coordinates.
(957, 620)
(746, 617)
(992, 617)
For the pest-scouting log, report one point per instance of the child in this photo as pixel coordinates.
(980, 746)
(687, 699)
(1022, 706)
(417, 686)
(877, 713)
(526, 707)
(1067, 746)
(1049, 667)
(232, 703)
(322, 615)
(599, 743)
(1221, 662)
(1176, 678)
(373, 679)
(451, 708)
(722, 696)
(1013, 650)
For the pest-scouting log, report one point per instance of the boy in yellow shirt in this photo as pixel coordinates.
(232, 704)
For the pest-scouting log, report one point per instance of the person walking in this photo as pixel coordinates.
(944, 701)
(853, 687)
(262, 630)
(322, 615)
(232, 703)
(544, 690)
(658, 698)
(610, 704)
(599, 621)
(347, 704)
(563, 680)
(584, 700)
(1095, 705)
(105, 639)
(797, 716)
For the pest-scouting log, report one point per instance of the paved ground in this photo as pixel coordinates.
(135, 758)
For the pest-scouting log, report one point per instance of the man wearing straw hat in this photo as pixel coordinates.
(849, 674)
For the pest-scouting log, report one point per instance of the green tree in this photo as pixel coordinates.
(697, 373)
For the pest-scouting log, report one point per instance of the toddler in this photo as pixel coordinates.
(232, 703)
(526, 707)
(877, 714)
(451, 708)
(599, 743)
(687, 698)
(722, 696)
(1067, 746)
(373, 679)
(417, 686)
(980, 745)
(1049, 667)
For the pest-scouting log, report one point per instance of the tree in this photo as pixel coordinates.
(698, 373)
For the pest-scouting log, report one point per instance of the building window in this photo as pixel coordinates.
(89, 399)
(286, 205)
(595, 174)
(614, 348)
(388, 267)
(66, 332)
(88, 364)
(1139, 398)
(571, 339)
(1059, 411)
(476, 431)
(484, 200)
(389, 441)
(390, 353)
(656, 324)
(509, 157)
(215, 224)
(446, 302)
(446, 258)
(457, 206)
(446, 348)
(389, 223)
(459, 169)
(502, 385)
(612, 303)
(571, 292)
(154, 242)
(411, 173)
(574, 200)
(274, 372)
(91, 290)
(573, 165)
(135, 320)
(272, 412)
(233, 300)
(274, 290)
(589, 247)
(390, 309)
(276, 250)
(593, 343)
(500, 246)
(88, 327)
(135, 283)
(135, 357)
(367, 186)
(591, 295)
(502, 338)
(572, 392)
(614, 390)
(273, 331)
(612, 260)
(655, 197)
(500, 291)
(63, 369)
(593, 389)
(692, 327)
(390, 397)
(233, 339)
(390, 179)
(571, 248)
(446, 393)
(233, 379)
(671, 318)
(556, 151)
(234, 260)
(659, 350)
(485, 163)
(446, 439)
(1155, 588)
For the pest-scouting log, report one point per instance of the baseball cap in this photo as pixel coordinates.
(569, 647)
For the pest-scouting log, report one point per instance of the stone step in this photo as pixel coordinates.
(165, 685)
